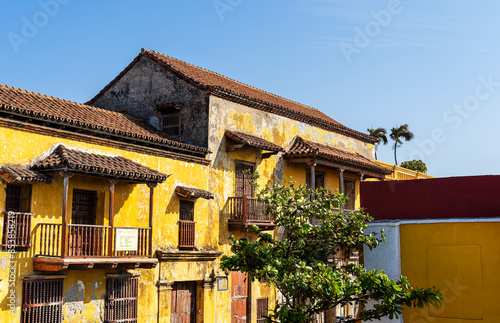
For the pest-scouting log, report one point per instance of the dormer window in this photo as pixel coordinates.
(170, 118)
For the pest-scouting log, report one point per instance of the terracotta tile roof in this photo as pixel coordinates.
(69, 160)
(230, 89)
(253, 141)
(22, 175)
(192, 192)
(71, 114)
(304, 148)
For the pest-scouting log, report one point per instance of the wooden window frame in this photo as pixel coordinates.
(170, 128)
(187, 225)
(122, 295)
(16, 233)
(42, 300)
(244, 179)
(346, 194)
(262, 309)
(14, 197)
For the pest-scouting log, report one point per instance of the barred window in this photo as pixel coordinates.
(42, 300)
(262, 309)
(18, 197)
(171, 124)
(121, 299)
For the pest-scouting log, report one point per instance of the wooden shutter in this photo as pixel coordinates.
(239, 297)
(18, 197)
(42, 301)
(187, 229)
(121, 299)
(243, 173)
(183, 302)
(262, 309)
(84, 207)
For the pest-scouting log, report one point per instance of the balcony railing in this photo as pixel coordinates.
(83, 241)
(187, 234)
(248, 211)
(17, 230)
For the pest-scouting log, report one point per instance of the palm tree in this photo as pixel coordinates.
(380, 134)
(398, 133)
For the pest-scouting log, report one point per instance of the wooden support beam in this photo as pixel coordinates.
(66, 177)
(151, 209)
(112, 183)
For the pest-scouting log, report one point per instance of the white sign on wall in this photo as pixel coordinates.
(126, 239)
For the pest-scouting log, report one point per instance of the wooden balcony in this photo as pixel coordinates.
(91, 246)
(246, 211)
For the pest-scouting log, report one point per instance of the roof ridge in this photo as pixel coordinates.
(144, 50)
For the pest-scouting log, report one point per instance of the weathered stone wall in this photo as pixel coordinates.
(147, 85)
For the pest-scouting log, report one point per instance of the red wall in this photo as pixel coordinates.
(437, 198)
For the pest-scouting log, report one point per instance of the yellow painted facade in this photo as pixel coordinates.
(86, 291)
(461, 259)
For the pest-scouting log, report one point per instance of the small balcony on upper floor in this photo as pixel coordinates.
(246, 211)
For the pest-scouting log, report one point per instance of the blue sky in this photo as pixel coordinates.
(366, 63)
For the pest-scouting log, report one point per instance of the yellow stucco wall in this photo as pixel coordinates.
(462, 260)
(85, 290)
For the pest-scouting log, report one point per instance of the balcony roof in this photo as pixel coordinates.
(15, 174)
(193, 192)
(309, 150)
(252, 141)
(64, 159)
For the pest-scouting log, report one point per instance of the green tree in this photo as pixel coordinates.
(298, 261)
(396, 135)
(380, 134)
(416, 165)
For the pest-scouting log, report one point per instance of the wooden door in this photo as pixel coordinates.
(239, 297)
(184, 302)
(83, 212)
(243, 171)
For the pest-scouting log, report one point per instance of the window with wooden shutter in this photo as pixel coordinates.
(187, 229)
(243, 173)
(262, 309)
(42, 301)
(17, 219)
(183, 302)
(121, 299)
(18, 197)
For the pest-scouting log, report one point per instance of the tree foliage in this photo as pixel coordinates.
(416, 165)
(380, 134)
(298, 261)
(396, 134)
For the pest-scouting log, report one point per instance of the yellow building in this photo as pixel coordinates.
(121, 208)
(400, 173)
